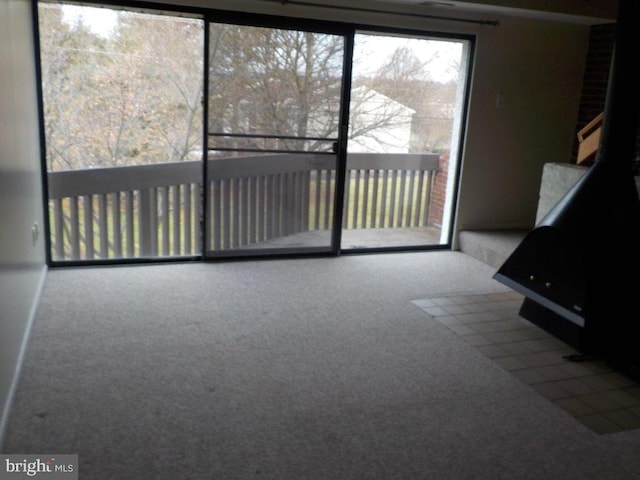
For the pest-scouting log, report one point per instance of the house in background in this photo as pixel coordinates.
(370, 107)
(525, 95)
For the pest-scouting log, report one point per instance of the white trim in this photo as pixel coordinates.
(23, 348)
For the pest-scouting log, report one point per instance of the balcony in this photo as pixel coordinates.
(254, 202)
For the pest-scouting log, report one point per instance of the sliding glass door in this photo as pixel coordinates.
(406, 117)
(273, 123)
(122, 95)
(169, 137)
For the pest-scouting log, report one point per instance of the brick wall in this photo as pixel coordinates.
(596, 77)
(439, 191)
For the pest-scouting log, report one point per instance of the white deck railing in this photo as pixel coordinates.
(154, 210)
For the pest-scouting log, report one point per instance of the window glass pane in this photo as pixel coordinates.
(122, 96)
(274, 104)
(273, 89)
(405, 122)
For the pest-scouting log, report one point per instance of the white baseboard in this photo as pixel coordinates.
(6, 408)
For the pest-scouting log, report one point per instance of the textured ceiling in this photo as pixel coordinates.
(576, 11)
(595, 9)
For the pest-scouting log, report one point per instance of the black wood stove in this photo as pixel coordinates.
(579, 268)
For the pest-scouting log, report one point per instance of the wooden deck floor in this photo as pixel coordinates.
(357, 238)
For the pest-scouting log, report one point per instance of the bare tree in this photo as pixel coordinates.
(134, 97)
(65, 66)
(416, 102)
(131, 98)
(274, 82)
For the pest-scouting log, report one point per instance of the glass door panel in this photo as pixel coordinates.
(273, 123)
(404, 130)
(122, 104)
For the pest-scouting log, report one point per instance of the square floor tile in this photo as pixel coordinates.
(551, 390)
(596, 395)
(598, 423)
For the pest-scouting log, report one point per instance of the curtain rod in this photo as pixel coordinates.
(494, 23)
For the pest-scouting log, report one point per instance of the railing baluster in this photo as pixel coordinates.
(374, 199)
(356, 200)
(176, 209)
(306, 203)
(187, 223)
(315, 180)
(117, 225)
(276, 197)
(285, 205)
(211, 236)
(402, 199)
(427, 206)
(253, 209)
(87, 204)
(296, 199)
(216, 196)
(383, 200)
(75, 229)
(226, 214)
(260, 207)
(277, 191)
(268, 206)
(419, 196)
(328, 194)
(216, 210)
(243, 210)
(365, 199)
(281, 220)
(129, 206)
(410, 201)
(154, 224)
(199, 223)
(298, 202)
(145, 222)
(302, 202)
(283, 215)
(289, 204)
(103, 221)
(348, 202)
(58, 222)
(235, 208)
(163, 219)
(392, 203)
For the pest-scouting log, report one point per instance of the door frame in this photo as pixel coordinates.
(251, 20)
(345, 29)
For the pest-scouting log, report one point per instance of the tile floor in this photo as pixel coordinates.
(592, 392)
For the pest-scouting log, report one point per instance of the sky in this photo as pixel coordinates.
(100, 20)
(376, 49)
(439, 53)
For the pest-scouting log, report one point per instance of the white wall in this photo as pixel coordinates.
(22, 260)
(537, 68)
